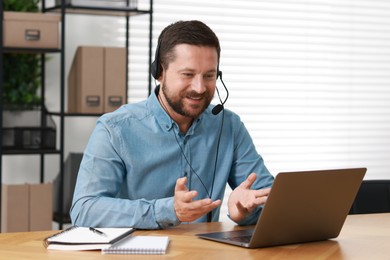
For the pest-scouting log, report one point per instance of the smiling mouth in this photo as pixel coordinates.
(195, 98)
(196, 101)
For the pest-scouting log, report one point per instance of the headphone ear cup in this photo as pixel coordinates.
(155, 67)
(154, 70)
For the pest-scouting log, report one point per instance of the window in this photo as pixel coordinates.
(310, 79)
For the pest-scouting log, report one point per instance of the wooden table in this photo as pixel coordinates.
(363, 237)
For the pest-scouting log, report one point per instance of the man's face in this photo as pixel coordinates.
(188, 84)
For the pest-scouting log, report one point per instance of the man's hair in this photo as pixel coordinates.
(184, 32)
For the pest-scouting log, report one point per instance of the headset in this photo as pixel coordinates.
(156, 70)
(155, 67)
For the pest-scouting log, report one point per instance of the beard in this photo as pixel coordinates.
(177, 101)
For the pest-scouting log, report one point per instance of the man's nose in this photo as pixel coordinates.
(199, 84)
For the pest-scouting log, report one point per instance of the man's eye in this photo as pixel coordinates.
(210, 76)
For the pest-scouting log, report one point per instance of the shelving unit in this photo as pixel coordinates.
(65, 9)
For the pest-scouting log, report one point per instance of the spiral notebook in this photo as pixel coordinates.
(150, 245)
(84, 238)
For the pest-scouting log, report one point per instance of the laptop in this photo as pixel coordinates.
(304, 206)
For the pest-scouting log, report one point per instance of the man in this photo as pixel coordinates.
(167, 160)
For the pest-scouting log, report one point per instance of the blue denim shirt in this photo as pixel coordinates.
(135, 155)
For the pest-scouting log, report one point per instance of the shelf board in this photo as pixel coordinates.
(14, 151)
(75, 114)
(29, 50)
(98, 10)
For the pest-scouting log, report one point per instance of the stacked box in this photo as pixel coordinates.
(85, 81)
(26, 207)
(97, 80)
(31, 30)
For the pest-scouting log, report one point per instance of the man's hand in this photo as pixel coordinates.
(243, 200)
(186, 208)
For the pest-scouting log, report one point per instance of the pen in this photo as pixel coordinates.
(97, 231)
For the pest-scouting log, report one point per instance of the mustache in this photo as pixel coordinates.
(194, 94)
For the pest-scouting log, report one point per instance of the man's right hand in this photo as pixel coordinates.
(187, 209)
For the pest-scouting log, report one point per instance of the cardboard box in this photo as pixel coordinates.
(114, 78)
(97, 80)
(26, 207)
(85, 81)
(31, 30)
(14, 208)
(40, 207)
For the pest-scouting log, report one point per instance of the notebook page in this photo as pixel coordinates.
(76, 235)
(139, 245)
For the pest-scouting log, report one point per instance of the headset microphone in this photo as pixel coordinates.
(218, 108)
